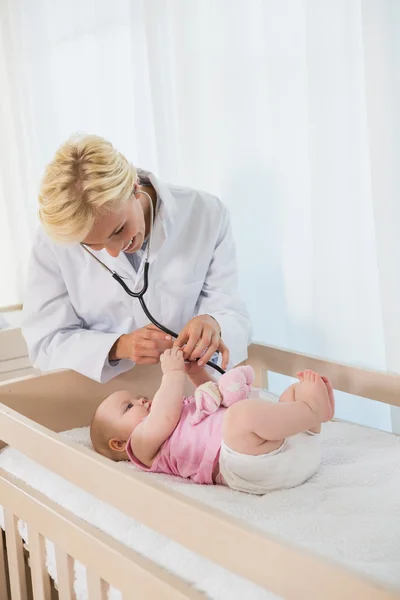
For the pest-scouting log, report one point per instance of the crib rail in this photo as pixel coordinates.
(14, 359)
(11, 308)
(366, 383)
(107, 561)
(244, 550)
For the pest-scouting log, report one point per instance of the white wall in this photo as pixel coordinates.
(270, 105)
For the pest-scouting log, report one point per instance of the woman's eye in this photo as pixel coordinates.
(119, 230)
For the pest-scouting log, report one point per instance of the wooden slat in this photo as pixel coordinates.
(225, 540)
(97, 588)
(11, 376)
(3, 568)
(11, 308)
(65, 575)
(375, 385)
(39, 574)
(100, 553)
(12, 344)
(15, 555)
(15, 364)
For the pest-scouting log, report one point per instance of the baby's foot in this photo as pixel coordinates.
(313, 391)
(329, 388)
(331, 394)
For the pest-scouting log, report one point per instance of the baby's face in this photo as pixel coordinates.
(124, 411)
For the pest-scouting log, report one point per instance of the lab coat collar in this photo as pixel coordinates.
(168, 203)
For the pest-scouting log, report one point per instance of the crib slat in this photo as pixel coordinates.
(97, 588)
(39, 574)
(3, 577)
(15, 554)
(65, 575)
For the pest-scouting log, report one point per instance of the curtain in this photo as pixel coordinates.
(286, 109)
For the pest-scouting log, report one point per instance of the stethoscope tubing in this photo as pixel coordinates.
(140, 295)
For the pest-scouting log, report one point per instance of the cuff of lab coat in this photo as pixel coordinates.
(101, 368)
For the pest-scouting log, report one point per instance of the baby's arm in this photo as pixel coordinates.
(166, 409)
(198, 375)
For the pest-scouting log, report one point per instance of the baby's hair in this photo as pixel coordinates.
(100, 435)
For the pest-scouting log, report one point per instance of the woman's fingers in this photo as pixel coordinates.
(152, 337)
(148, 361)
(190, 338)
(181, 339)
(151, 332)
(225, 354)
(202, 344)
(211, 346)
(200, 339)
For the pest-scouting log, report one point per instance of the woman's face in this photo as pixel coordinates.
(120, 230)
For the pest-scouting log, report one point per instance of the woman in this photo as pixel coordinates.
(77, 317)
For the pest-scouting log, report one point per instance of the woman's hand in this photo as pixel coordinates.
(200, 338)
(144, 346)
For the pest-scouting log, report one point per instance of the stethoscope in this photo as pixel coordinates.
(142, 292)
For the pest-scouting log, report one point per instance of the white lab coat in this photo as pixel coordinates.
(74, 311)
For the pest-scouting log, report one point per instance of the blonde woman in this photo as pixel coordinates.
(77, 317)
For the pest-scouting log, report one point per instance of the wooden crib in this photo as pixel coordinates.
(33, 410)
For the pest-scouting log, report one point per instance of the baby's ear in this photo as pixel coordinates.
(117, 445)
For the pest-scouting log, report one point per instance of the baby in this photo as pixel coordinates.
(219, 436)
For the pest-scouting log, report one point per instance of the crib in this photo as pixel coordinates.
(14, 361)
(36, 408)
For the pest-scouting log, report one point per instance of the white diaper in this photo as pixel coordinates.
(292, 464)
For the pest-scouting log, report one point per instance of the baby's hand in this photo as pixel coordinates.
(172, 360)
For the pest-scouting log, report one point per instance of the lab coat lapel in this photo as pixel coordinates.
(159, 235)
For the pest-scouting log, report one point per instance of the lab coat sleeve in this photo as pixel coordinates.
(220, 299)
(54, 333)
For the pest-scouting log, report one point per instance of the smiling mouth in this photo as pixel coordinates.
(130, 244)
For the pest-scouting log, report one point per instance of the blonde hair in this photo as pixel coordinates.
(86, 178)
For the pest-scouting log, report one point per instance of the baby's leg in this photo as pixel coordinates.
(257, 427)
(239, 428)
(289, 394)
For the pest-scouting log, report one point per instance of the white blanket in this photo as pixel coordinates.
(349, 511)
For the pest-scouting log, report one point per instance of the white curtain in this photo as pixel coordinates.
(287, 109)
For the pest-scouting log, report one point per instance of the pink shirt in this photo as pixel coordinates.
(191, 451)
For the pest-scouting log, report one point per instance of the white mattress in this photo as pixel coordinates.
(349, 511)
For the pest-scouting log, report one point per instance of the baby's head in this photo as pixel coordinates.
(113, 423)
